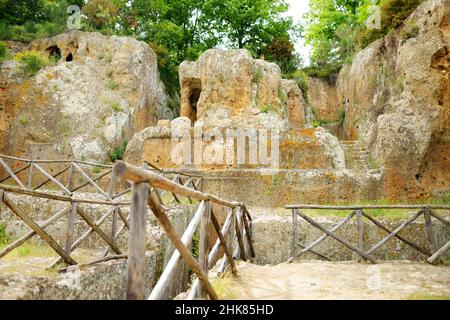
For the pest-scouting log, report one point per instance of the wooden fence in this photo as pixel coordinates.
(237, 226)
(33, 179)
(432, 252)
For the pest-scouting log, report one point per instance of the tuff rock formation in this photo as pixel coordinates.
(101, 91)
(396, 94)
(228, 88)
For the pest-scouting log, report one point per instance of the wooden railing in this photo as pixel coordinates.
(237, 225)
(32, 175)
(433, 253)
(33, 179)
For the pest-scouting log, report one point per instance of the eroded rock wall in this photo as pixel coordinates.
(101, 91)
(396, 97)
(226, 88)
(323, 98)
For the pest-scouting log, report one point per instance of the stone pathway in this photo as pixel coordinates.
(337, 280)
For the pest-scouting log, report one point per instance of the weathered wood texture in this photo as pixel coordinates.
(184, 252)
(169, 271)
(136, 174)
(137, 240)
(338, 238)
(39, 231)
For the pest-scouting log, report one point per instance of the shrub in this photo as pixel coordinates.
(29, 31)
(116, 106)
(4, 237)
(112, 85)
(411, 30)
(100, 13)
(31, 61)
(23, 121)
(3, 51)
(341, 116)
(118, 152)
(302, 80)
(265, 109)
(282, 95)
(96, 169)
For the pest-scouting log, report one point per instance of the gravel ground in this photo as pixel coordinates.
(337, 280)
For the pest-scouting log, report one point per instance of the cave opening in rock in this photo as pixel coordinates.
(69, 57)
(195, 90)
(193, 101)
(54, 53)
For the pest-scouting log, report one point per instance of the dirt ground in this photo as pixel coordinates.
(336, 280)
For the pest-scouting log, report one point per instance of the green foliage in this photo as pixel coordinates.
(336, 30)
(23, 120)
(31, 61)
(411, 30)
(24, 251)
(30, 31)
(118, 152)
(282, 52)
(96, 169)
(177, 30)
(3, 51)
(341, 116)
(282, 95)
(112, 85)
(64, 127)
(101, 14)
(195, 245)
(266, 108)
(28, 20)
(302, 79)
(4, 236)
(257, 75)
(318, 122)
(116, 106)
(250, 24)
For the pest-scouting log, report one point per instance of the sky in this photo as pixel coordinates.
(296, 10)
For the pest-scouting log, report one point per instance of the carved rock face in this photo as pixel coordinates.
(226, 88)
(101, 91)
(396, 97)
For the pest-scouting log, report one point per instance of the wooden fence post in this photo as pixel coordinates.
(136, 247)
(203, 246)
(72, 214)
(432, 245)
(294, 233)
(360, 226)
(30, 177)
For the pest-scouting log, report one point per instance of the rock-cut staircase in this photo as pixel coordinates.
(357, 156)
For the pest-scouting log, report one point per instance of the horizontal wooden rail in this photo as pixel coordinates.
(101, 165)
(135, 174)
(41, 194)
(433, 252)
(172, 171)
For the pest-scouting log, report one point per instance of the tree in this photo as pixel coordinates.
(250, 24)
(329, 26)
(282, 51)
(336, 29)
(100, 13)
